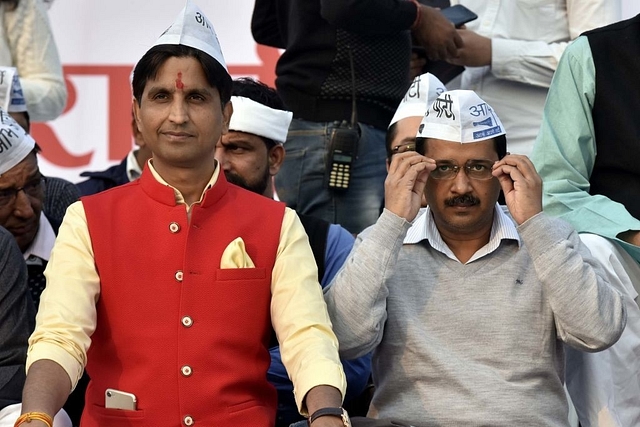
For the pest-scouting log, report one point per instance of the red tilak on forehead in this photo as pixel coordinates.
(179, 84)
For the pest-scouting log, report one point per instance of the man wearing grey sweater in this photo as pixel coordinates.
(466, 308)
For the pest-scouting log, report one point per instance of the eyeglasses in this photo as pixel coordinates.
(33, 189)
(409, 146)
(475, 169)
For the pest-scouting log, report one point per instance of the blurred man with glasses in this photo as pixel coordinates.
(465, 307)
(22, 193)
(22, 190)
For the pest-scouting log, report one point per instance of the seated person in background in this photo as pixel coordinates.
(126, 171)
(250, 154)
(59, 193)
(587, 153)
(22, 212)
(467, 308)
(22, 192)
(16, 324)
(401, 134)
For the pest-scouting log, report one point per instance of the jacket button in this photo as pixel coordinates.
(179, 275)
(187, 321)
(188, 420)
(186, 370)
(174, 227)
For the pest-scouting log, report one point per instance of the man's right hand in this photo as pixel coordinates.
(437, 34)
(404, 186)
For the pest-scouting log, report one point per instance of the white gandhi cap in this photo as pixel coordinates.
(253, 117)
(423, 91)
(460, 116)
(192, 28)
(15, 143)
(11, 96)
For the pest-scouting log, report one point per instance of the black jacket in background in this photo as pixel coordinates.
(314, 73)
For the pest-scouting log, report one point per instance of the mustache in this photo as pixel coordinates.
(464, 200)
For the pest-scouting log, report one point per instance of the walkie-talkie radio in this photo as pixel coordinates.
(343, 146)
(343, 149)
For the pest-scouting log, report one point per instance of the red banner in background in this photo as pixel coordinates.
(119, 108)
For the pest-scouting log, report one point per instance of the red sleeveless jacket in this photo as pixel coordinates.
(187, 338)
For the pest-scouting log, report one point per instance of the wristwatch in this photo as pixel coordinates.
(333, 412)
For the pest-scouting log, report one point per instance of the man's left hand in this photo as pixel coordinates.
(475, 52)
(521, 184)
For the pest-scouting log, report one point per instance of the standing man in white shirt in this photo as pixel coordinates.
(512, 50)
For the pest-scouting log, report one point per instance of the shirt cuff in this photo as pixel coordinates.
(503, 53)
(53, 352)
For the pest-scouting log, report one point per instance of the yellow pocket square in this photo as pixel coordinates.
(236, 256)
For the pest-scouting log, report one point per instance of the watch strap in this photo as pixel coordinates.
(333, 412)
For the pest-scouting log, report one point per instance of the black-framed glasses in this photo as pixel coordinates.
(409, 146)
(33, 189)
(475, 169)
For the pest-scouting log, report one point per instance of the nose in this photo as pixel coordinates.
(461, 183)
(221, 157)
(23, 207)
(179, 113)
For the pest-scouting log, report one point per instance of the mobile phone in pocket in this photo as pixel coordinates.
(117, 399)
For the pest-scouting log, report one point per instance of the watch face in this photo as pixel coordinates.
(345, 419)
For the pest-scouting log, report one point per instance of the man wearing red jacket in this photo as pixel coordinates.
(169, 288)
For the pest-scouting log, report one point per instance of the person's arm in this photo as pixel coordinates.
(264, 24)
(589, 313)
(324, 397)
(66, 318)
(339, 245)
(308, 346)
(35, 55)
(565, 151)
(357, 297)
(534, 61)
(46, 389)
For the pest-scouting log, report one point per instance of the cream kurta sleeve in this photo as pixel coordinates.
(308, 346)
(66, 317)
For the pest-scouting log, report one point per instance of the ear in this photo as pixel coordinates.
(226, 116)
(276, 157)
(135, 130)
(135, 110)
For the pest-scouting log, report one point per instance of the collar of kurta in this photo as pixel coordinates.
(162, 192)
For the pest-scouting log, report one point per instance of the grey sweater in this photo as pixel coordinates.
(476, 344)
